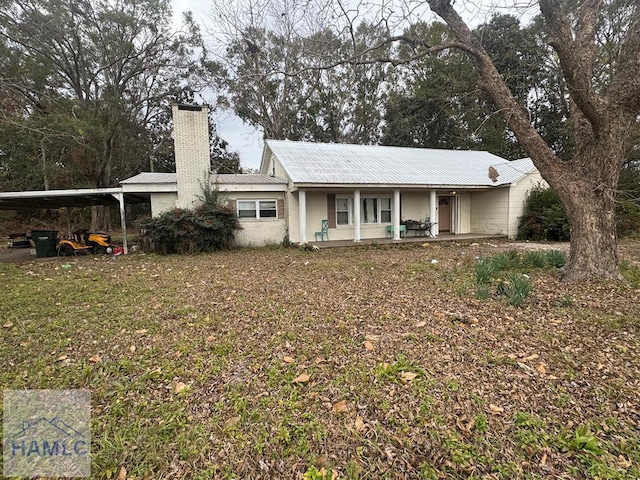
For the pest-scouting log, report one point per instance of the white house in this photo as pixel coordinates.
(363, 191)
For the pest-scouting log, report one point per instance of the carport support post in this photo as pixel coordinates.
(123, 221)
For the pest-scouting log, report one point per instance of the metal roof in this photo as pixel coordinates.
(224, 178)
(151, 177)
(247, 179)
(322, 163)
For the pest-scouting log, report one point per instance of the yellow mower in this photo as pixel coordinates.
(99, 242)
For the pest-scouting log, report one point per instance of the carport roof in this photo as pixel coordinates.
(81, 197)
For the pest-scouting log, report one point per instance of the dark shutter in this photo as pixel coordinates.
(331, 210)
(233, 206)
(280, 208)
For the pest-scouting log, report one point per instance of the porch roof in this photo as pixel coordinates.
(340, 164)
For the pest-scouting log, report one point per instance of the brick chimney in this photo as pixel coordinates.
(191, 142)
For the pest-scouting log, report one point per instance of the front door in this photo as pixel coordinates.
(444, 214)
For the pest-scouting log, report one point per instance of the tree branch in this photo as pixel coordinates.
(576, 54)
(624, 91)
(491, 80)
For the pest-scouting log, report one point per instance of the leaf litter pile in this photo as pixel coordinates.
(354, 363)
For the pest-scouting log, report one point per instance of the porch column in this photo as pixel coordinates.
(396, 214)
(433, 212)
(356, 215)
(302, 214)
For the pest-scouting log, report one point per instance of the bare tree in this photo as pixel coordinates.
(600, 119)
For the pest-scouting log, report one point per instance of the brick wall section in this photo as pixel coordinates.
(191, 140)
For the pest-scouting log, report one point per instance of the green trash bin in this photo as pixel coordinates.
(46, 242)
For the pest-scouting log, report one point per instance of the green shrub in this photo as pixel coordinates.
(627, 219)
(516, 289)
(482, 291)
(534, 259)
(556, 258)
(544, 217)
(207, 228)
(483, 268)
(501, 261)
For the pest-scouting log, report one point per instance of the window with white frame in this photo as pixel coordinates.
(257, 209)
(343, 211)
(385, 210)
(373, 210)
(368, 210)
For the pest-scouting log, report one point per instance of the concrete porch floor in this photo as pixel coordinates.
(443, 237)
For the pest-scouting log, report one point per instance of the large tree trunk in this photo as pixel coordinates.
(100, 215)
(591, 214)
(100, 218)
(600, 123)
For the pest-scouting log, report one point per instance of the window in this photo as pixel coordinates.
(257, 209)
(369, 210)
(376, 210)
(385, 210)
(342, 211)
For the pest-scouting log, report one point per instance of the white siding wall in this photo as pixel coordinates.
(489, 211)
(415, 205)
(161, 202)
(465, 212)
(259, 232)
(517, 197)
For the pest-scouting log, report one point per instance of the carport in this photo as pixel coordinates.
(81, 197)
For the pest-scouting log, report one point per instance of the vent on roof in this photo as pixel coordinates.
(191, 108)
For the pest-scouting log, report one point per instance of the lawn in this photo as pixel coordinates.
(354, 363)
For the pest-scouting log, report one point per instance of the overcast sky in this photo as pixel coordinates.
(242, 138)
(246, 140)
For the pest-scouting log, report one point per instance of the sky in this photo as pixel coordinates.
(242, 138)
(246, 140)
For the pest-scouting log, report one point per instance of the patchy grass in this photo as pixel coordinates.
(351, 363)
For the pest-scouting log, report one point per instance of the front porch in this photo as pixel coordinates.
(442, 237)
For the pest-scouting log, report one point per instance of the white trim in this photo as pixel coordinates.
(302, 213)
(256, 202)
(396, 214)
(356, 215)
(433, 212)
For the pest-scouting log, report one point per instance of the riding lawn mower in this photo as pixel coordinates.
(84, 242)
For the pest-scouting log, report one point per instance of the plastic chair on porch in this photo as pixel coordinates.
(324, 231)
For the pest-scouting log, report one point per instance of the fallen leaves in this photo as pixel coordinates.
(340, 407)
(408, 376)
(231, 422)
(368, 345)
(302, 378)
(495, 409)
(180, 387)
(9, 324)
(122, 474)
(288, 359)
(95, 359)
